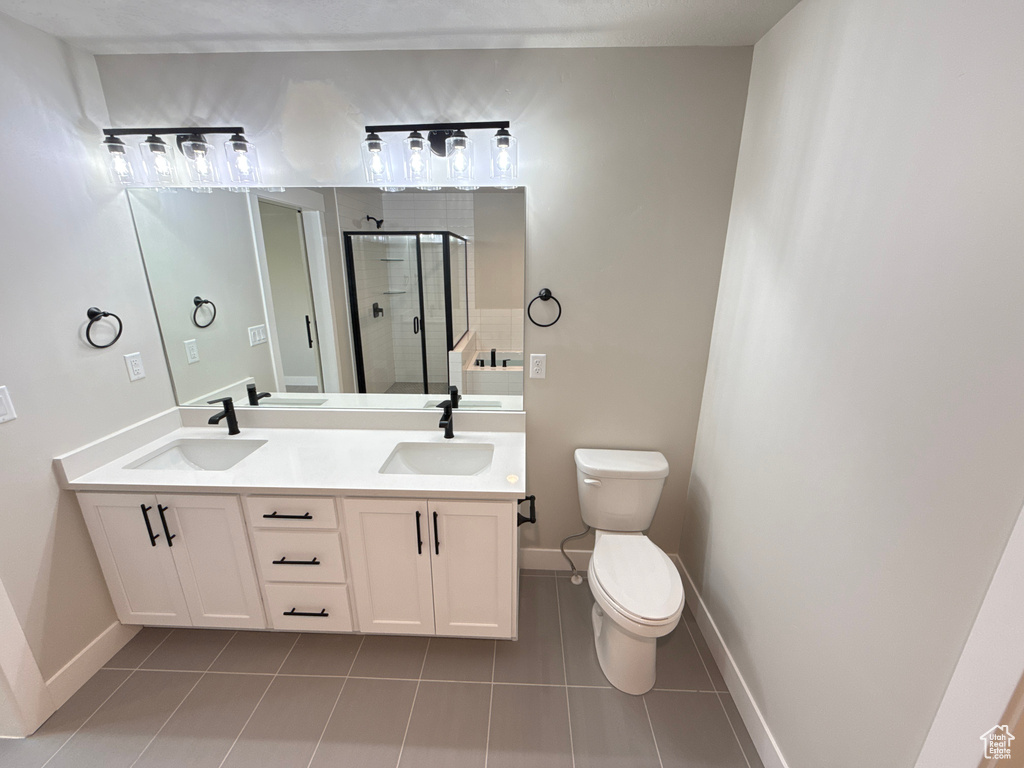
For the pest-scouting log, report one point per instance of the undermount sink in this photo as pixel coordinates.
(439, 459)
(210, 454)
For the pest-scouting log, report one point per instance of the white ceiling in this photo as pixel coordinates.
(184, 26)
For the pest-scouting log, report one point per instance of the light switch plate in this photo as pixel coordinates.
(192, 351)
(6, 406)
(134, 364)
(538, 366)
(257, 335)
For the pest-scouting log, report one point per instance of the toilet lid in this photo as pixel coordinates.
(637, 576)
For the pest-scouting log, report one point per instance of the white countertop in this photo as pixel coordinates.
(309, 461)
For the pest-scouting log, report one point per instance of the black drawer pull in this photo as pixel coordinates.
(437, 542)
(323, 613)
(286, 561)
(149, 528)
(275, 515)
(161, 509)
(419, 536)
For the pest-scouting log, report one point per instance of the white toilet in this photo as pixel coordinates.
(637, 590)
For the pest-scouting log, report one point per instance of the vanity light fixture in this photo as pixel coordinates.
(159, 163)
(447, 140)
(504, 159)
(119, 162)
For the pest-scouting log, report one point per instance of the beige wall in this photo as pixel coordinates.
(499, 221)
(202, 245)
(68, 244)
(858, 462)
(628, 158)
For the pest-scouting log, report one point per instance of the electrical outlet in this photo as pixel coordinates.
(257, 335)
(192, 351)
(538, 366)
(6, 406)
(134, 364)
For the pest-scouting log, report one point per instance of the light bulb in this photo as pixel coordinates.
(243, 163)
(119, 162)
(459, 149)
(161, 164)
(417, 160)
(459, 160)
(157, 162)
(504, 162)
(202, 164)
(376, 164)
(201, 170)
(376, 161)
(504, 159)
(121, 167)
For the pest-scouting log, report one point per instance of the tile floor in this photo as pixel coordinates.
(222, 699)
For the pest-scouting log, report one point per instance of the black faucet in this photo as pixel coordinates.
(254, 399)
(494, 358)
(228, 413)
(447, 419)
(453, 394)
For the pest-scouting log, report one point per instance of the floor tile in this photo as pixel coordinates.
(581, 664)
(529, 727)
(207, 723)
(448, 728)
(746, 743)
(717, 681)
(189, 650)
(322, 654)
(138, 648)
(255, 652)
(116, 735)
(679, 664)
(536, 657)
(390, 656)
(453, 658)
(368, 725)
(610, 729)
(40, 746)
(286, 726)
(692, 730)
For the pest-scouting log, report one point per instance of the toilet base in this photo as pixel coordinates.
(628, 661)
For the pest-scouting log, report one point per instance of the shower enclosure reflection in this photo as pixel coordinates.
(409, 306)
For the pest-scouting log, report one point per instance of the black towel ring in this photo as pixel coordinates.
(199, 302)
(544, 295)
(94, 314)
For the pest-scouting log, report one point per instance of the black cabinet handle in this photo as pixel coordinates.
(149, 528)
(161, 509)
(276, 516)
(323, 613)
(419, 536)
(309, 332)
(437, 542)
(286, 561)
(415, 325)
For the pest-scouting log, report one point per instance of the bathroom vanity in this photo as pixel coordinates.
(312, 530)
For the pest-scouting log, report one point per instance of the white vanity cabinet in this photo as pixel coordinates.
(433, 567)
(175, 560)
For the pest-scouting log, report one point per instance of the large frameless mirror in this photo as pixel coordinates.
(338, 297)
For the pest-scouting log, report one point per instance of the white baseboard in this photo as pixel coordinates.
(760, 734)
(75, 673)
(552, 560)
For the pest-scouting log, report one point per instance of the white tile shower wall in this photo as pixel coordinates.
(498, 328)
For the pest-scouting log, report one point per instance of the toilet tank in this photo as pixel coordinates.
(619, 490)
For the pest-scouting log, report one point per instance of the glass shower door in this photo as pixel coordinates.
(435, 315)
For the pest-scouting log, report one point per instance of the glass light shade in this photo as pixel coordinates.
(376, 160)
(158, 160)
(199, 160)
(504, 159)
(417, 160)
(121, 162)
(243, 161)
(459, 151)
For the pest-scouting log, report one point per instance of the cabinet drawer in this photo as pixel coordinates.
(291, 512)
(331, 599)
(299, 556)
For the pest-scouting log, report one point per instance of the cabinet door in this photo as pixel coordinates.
(214, 565)
(139, 568)
(473, 567)
(389, 551)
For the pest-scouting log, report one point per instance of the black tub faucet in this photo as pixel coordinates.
(494, 358)
(447, 420)
(228, 413)
(254, 399)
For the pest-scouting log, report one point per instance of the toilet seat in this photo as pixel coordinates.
(637, 578)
